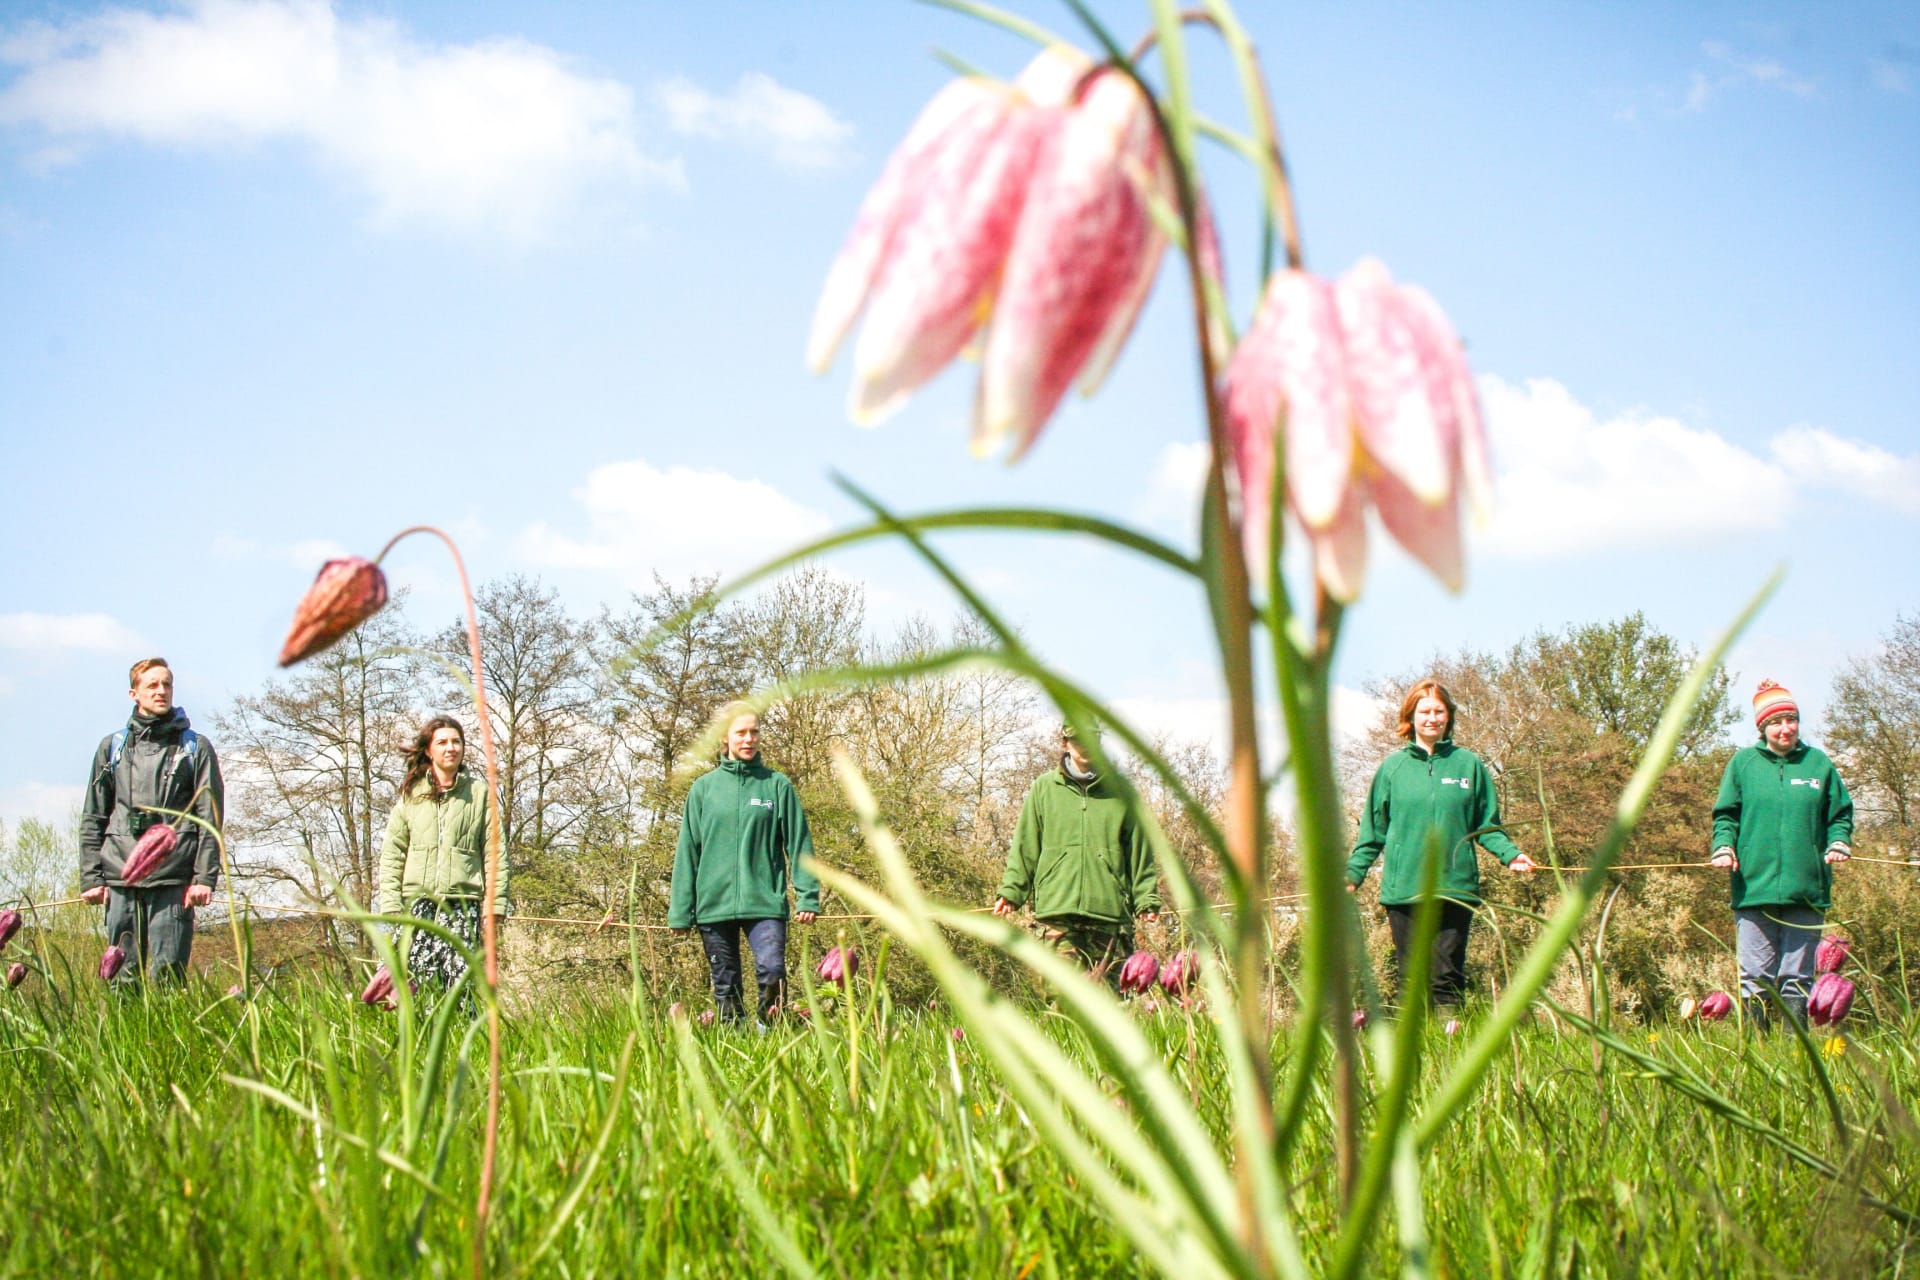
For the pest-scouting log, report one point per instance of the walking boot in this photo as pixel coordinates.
(1759, 1016)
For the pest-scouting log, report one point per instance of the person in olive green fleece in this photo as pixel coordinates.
(1082, 860)
(1431, 790)
(1782, 818)
(433, 861)
(742, 837)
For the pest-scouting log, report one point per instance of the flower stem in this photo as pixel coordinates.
(489, 922)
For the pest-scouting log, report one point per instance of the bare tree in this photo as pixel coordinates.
(661, 697)
(808, 621)
(540, 697)
(1875, 728)
(313, 762)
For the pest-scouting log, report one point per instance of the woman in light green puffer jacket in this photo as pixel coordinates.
(433, 863)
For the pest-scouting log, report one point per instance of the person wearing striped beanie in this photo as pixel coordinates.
(1781, 820)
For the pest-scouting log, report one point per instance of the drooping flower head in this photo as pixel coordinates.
(1178, 973)
(838, 966)
(1832, 997)
(1139, 972)
(379, 988)
(1023, 209)
(1363, 388)
(149, 851)
(9, 925)
(112, 960)
(1831, 955)
(16, 974)
(1715, 1005)
(1360, 1018)
(345, 594)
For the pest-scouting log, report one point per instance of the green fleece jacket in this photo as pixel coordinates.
(1779, 815)
(1415, 797)
(741, 835)
(1078, 852)
(436, 846)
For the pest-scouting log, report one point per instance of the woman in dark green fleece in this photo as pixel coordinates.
(1781, 818)
(1428, 792)
(742, 837)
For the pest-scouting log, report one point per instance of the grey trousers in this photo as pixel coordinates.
(1776, 946)
(154, 926)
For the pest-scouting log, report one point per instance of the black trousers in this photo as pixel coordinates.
(1448, 982)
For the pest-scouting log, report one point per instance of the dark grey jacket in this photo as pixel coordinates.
(154, 771)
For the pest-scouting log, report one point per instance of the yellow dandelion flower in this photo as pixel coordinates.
(1834, 1047)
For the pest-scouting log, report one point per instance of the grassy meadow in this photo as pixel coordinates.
(189, 1132)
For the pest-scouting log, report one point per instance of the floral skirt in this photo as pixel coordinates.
(432, 959)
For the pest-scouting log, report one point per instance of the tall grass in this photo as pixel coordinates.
(143, 1138)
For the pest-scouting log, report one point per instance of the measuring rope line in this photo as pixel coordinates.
(610, 922)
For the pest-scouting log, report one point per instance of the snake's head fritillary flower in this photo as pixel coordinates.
(345, 594)
(1715, 1005)
(10, 923)
(1139, 972)
(959, 1034)
(1831, 955)
(1687, 1006)
(1082, 262)
(1023, 208)
(16, 974)
(927, 249)
(1361, 1018)
(1178, 973)
(149, 851)
(1364, 389)
(838, 966)
(705, 1017)
(112, 961)
(1831, 999)
(1452, 1027)
(379, 988)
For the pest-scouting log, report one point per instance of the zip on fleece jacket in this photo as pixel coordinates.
(742, 836)
(1078, 852)
(1417, 797)
(436, 846)
(1779, 814)
(155, 771)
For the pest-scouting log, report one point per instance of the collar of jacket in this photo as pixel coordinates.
(1441, 750)
(1794, 756)
(174, 722)
(750, 768)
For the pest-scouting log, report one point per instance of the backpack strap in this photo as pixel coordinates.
(189, 743)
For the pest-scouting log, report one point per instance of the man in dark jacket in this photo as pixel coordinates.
(156, 763)
(1083, 862)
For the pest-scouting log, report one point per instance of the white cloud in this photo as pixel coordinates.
(1766, 72)
(800, 132)
(48, 801)
(308, 554)
(1814, 455)
(49, 634)
(1894, 73)
(677, 521)
(499, 138)
(1174, 485)
(1570, 482)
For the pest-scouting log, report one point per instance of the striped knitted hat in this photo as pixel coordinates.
(1769, 700)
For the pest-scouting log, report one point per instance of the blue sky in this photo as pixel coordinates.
(281, 278)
